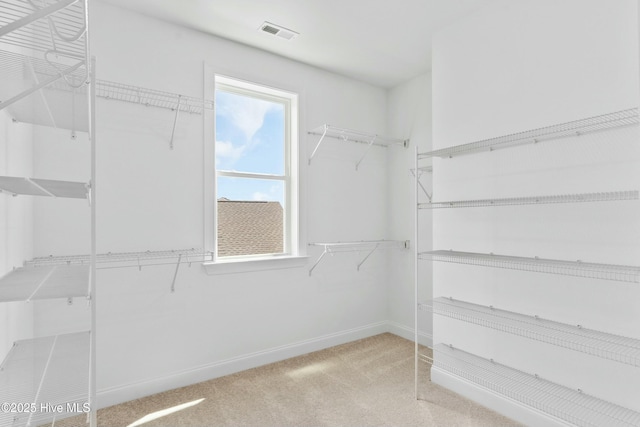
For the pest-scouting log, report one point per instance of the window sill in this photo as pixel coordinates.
(248, 266)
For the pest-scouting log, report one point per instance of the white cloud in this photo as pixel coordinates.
(247, 114)
(227, 153)
(261, 197)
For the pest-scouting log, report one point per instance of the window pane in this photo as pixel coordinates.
(249, 134)
(250, 216)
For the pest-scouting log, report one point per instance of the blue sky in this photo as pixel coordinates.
(249, 138)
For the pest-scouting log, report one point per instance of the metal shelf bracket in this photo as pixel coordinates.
(175, 122)
(366, 151)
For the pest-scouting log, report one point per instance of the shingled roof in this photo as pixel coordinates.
(249, 227)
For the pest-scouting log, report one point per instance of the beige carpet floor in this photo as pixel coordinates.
(369, 382)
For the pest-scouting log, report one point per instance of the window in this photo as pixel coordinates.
(256, 203)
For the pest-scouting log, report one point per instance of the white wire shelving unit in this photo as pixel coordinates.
(50, 375)
(614, 272)
(368, 247)
(574, 337)
(354, 136)
(569, 405)
(572, 406)
(44, 187)
(575, 128)
(45, 68)
(611, 196)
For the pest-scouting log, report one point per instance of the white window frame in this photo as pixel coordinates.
(294, 248)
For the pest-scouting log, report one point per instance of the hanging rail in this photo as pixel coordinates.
(571, 405)
(574, 337)
(621, 273)
(348, 135)
(368, 246)
(536, 200)
(574, 128)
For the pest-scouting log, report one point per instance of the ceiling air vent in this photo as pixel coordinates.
(278, 31)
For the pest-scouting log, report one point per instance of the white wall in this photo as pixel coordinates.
(520, 66)
(16, 222)
(151, 198)
(409, 116)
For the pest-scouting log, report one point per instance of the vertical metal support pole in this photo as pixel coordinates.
(93, 414)
(175, 122)
(173, 283)
(415, 273)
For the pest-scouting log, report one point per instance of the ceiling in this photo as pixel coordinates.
(381, 42)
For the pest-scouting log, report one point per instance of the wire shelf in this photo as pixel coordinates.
(615, 272)
(151, 97)
(44, 187)
(573, 128)
(50, 282)
(52, 373)
(572, 406)
(56, 27)
(348, 135)
(575, 337)
(536, 200)
(128, 259)
(368, 246)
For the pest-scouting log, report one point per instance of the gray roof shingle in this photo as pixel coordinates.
(249, 227)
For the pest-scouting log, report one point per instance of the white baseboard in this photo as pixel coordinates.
(408, 333)
(501, 404)
(115, 395)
